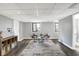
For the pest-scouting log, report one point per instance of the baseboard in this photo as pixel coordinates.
(66, 45)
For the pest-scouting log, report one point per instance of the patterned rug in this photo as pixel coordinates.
(46, 48)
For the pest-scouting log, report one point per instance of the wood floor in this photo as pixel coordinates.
(19, 48)
(22, 45)
(42, 48)
(66, 50)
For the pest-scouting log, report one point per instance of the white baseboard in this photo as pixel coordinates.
(67, 45)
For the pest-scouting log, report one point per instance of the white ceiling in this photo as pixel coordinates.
(38, 12)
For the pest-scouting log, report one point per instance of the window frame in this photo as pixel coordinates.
(34, 27)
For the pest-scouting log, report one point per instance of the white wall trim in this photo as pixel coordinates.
(66, 45)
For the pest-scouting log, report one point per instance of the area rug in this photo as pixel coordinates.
(46, 48)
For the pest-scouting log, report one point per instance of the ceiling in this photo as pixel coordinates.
(38, 12)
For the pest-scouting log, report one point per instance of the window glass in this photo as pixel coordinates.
(35, 27)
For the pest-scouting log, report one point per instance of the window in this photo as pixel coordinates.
(56, 27)
(35, 27)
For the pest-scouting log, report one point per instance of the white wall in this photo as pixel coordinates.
(20, 30)
(46, 27)
(16, 28)
(75, 29)
(66, 31)
(25, 30)
(5, 23)
(28, 29)
(49, 27)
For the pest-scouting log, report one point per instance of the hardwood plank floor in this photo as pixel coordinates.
(19, 48)
(66, 50)
(45, 48)
(23, 44)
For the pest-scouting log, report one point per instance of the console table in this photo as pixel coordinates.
(7, 44)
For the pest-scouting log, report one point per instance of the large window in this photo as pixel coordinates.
(35, 27)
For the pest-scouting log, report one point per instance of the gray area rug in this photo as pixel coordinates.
(46, 48)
